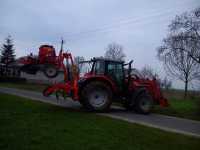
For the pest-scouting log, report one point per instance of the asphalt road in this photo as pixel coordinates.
(167, 123)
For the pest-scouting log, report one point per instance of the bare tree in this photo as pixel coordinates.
(165, 83)
(180, 50)
(187, 27)
(178, 63)
(115, 51)
(148, 72)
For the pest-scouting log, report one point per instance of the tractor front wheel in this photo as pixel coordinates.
(97, 96)
(50, 71)
(143, 103)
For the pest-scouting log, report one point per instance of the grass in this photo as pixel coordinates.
(188, 108)
(32, 125)
(25, 86)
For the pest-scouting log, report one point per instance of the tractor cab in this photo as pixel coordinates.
(113, 70)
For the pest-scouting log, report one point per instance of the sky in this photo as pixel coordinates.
(88, 26)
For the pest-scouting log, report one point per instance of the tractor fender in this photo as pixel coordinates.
(84, 81)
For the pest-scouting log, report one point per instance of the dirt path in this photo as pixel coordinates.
(167, 123)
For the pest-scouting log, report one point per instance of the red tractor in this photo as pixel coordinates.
(107, 81)
(46, 61)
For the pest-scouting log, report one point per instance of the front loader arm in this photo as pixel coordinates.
(152, 86)
(157, 93)
(70, 85)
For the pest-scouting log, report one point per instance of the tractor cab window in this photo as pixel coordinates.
(115, 71)
(99, 67)
(84, 68)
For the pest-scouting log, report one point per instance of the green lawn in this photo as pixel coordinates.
(189, 108)
(32, 125)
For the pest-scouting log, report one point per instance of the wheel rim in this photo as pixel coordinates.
(98, 98)
(51, 71)
(145, 104)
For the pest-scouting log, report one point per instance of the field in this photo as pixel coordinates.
(34, 125)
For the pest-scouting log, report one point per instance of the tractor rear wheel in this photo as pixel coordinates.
(97, 96)
(50, 71)
(143, 103)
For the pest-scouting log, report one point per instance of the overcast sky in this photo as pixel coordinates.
(88, 26)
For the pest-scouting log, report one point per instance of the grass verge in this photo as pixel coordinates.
(184, 108)
(32, 125)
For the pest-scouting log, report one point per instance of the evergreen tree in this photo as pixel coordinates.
(7, 51)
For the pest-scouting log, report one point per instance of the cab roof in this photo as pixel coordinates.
(101, 59)
(106, 59)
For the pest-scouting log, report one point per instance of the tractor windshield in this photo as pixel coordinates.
(85, 67)
(99, 67)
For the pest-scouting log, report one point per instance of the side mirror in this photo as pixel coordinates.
(130, 66)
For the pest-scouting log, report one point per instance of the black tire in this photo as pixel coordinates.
(143, 103)
(96, 96)
(50, 71)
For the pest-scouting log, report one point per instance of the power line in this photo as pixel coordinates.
(106, 28)
(113, 27)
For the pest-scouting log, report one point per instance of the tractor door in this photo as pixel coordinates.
(115, 71)
(99, 67)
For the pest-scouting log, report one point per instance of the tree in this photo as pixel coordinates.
(165, 83)
(148, 72)
(7, 52)
(114, 51)
(179, 48)
(187, 27)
